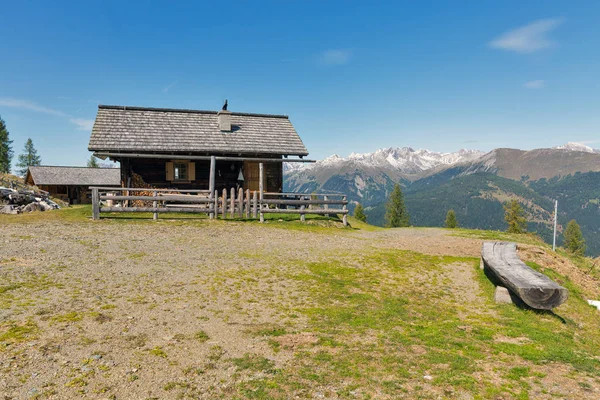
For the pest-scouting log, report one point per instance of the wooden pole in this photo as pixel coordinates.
(555, 221)
(232, 211)
(345, 217)
(216, 209)
(211, 178)
(254, 205)
(224, 206)
(211, 205)
(326, 206)
(95, 204)
(248, 203)
(302, 215)
(261, 190)
(241, 203)
(155, 205)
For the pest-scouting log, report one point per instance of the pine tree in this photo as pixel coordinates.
(574, 241)
(514, 215)
(28, 158)
(396, 214)
(451, 221)
(93, 162)
(359, 213)
(6, 153)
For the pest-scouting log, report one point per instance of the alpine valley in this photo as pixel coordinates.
(472, 183)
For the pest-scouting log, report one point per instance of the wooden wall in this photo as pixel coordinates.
(153, 172)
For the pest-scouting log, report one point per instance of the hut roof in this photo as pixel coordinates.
(50, 175)
(164, 130)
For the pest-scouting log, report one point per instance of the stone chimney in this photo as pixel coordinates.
(224, 118)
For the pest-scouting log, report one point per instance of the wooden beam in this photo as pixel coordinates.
(95, 204)
(534, 288)
(232, 211)
(224, 215)
(321, 212)
(155, 204)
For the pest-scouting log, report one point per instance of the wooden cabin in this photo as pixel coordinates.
(71, 184)
(194, 149)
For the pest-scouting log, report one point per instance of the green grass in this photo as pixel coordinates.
(387, 318)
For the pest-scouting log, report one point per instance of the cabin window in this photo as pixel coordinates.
(180, 171)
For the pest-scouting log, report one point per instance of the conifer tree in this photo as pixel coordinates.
(396, 214)
(574, 241)
(6, 153)
(28, 158)
(514, 215)
(359, 213)
(451, 221)
(93, 162)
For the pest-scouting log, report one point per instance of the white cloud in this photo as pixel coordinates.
(528, 38)
(83, 124)
(29, 105)
(538, 84)
(334, 57)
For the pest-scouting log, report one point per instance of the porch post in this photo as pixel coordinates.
(211, 187)
(261, 190)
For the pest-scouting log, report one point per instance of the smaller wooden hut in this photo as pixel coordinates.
(71, 184)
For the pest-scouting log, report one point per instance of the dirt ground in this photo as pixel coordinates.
(155, 310)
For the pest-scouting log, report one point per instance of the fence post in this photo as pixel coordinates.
(261, 190)
(247, 203)
(224, 207)
(241, 202)
(254, 205)
(232, 211)
(345, 216)
(211, 204)
(216, 199)
(326, 206)
(302, 207)
(155, 205)
(95, 204)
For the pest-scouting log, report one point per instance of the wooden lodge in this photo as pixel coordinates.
(71, 184)
(194, 149)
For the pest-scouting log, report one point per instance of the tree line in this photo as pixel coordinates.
(397, 216)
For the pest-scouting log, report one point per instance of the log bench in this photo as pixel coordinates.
(534, 288)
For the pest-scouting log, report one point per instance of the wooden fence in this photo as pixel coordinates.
(227, 204)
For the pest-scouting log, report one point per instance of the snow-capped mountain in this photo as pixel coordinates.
(368, 177)
(404, 160)
(573, 146)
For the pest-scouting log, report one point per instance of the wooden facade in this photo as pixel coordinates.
(160, 174)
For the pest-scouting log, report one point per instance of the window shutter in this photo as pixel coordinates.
(169, 168)
(192, 171)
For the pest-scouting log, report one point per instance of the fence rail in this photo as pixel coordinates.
(227, 203)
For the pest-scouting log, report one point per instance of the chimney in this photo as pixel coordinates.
(224, 118)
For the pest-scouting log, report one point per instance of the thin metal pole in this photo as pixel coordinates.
(555, 218)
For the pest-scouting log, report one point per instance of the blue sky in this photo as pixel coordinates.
(352, 76)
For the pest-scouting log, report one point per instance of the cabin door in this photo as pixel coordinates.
(252, 176)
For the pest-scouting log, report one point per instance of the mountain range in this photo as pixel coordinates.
(473, 183)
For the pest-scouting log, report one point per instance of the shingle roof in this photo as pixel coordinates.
(161, 130)
(46, 175)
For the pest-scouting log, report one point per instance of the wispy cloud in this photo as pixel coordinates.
(169, 87)
(334, 57)
(537, 84)
(529, 38)
(82, 124)
(29, 105)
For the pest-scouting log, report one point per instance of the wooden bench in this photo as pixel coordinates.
(534, 288)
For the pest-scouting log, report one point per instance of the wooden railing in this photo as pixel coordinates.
(227, 204)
